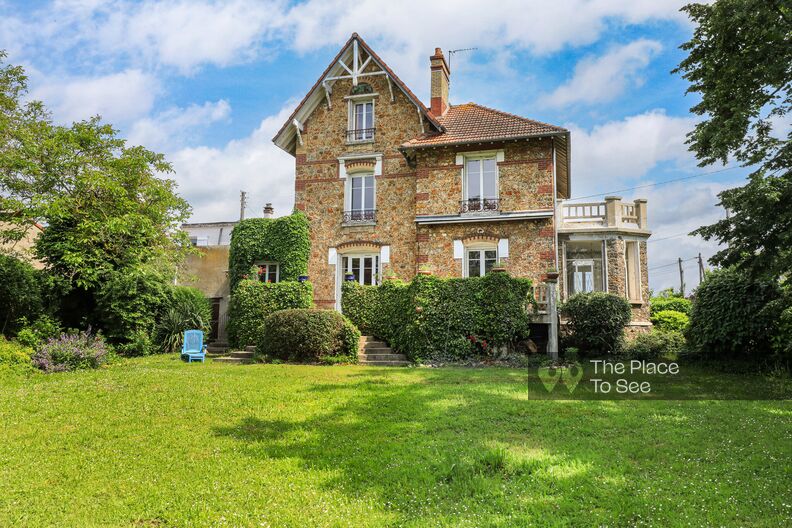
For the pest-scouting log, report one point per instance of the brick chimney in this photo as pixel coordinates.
(268, 210)
(440, 75)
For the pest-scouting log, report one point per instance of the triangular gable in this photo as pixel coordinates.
(349, 63)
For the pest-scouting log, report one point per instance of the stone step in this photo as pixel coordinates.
(377, 349)
(232, 360)
(214, 350)
(250, 348)
(382, 357)
(242, 354)
(385, 363)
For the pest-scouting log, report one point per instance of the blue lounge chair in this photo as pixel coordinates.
(193, 348)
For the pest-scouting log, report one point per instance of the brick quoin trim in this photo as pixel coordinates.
(547, 255)
(423, 237)
(299, 159)
(546, 232)
(545, 189)
(299, 185)
(422, 259)
(299, 206)
(419, 197)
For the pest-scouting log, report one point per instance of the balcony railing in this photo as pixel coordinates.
(612, 213)
(360, 134)
(360, 216)
(479, 205)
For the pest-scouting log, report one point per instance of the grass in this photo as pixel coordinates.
(156, 442)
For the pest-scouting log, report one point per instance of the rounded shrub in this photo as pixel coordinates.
(253, 301)
(728, 318)
(308, 335)
(670, 320)
(655, 345)
(676, 304)
(71, 352)
(595, 322)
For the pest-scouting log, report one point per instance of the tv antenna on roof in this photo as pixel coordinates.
(460, 50)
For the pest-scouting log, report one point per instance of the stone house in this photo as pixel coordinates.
(393, 186)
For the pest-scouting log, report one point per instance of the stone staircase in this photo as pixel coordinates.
(375, 353)
(220, 354)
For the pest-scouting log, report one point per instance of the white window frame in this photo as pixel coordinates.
(568, 287)
(582, 262)
(480, 247)
(348, 191)
(376, 262)
(267, 264)
(493, 156)
(353, 102)
(636, 255)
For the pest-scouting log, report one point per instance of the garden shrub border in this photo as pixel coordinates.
(309, 335)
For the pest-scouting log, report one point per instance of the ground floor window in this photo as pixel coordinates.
(480, 260)
(269, 272)
(584, 269)
(365, 268)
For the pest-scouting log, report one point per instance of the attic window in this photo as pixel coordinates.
(362, 88)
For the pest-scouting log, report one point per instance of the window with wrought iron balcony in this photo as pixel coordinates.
(361, 122)
(480, 189)
(359, 199)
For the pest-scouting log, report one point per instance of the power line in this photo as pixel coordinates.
(655, 184)
(675, 263)
(668, 237)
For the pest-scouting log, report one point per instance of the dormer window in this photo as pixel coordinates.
(361, 118)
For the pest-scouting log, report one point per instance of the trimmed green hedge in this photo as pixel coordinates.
(284, 240)
(309, 335)
(670, 320)
(253, 301)
(595, 322)
(676, 304)
(433, 318)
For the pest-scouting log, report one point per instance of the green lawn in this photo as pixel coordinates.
(156, 442)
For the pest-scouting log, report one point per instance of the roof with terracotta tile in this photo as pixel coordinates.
(473, 123)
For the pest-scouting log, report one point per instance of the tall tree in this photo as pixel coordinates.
(740, 62)
(105, 206)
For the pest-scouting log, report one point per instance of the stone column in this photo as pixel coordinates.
(640, 213)
(613, 211)
(552, 314)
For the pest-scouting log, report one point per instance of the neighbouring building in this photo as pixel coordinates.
(391, 184)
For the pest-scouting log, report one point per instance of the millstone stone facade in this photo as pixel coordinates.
(392, 187)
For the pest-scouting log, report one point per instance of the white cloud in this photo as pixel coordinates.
(176, 126)
(117, 97)
(609, 154)
(211, 178)
(600, 79)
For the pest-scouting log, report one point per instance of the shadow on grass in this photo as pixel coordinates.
(452, 445)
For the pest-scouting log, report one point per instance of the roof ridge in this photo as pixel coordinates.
(515, 116)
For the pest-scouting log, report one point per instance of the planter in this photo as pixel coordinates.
(498, 269)
(349, 276)
(424, 272)
(302, 278)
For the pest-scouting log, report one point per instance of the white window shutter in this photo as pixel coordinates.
(459, 250)
(503, 248)
(332, 257)
(385, 254)
(460, 159)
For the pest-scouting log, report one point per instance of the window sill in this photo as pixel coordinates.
(358, 224)
(360, 142)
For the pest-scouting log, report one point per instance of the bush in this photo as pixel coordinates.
(139, 344)
(655, 345)
(285, 240)
(780, 311)
(676, 304)
(188, 309)
(15, 356)
(20, 293)
(253, 301)
(71, 352)
(670, 320)
(39, 331)
(596, 321)
(308, 335)
(728, 317)
(433, 318)
(129, 302)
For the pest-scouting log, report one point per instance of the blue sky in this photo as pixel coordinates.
(209, 82)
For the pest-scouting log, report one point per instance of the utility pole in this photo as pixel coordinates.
(701, 269)
(242, 204)
(681, 278)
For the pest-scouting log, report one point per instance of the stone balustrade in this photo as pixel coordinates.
(612, 213)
